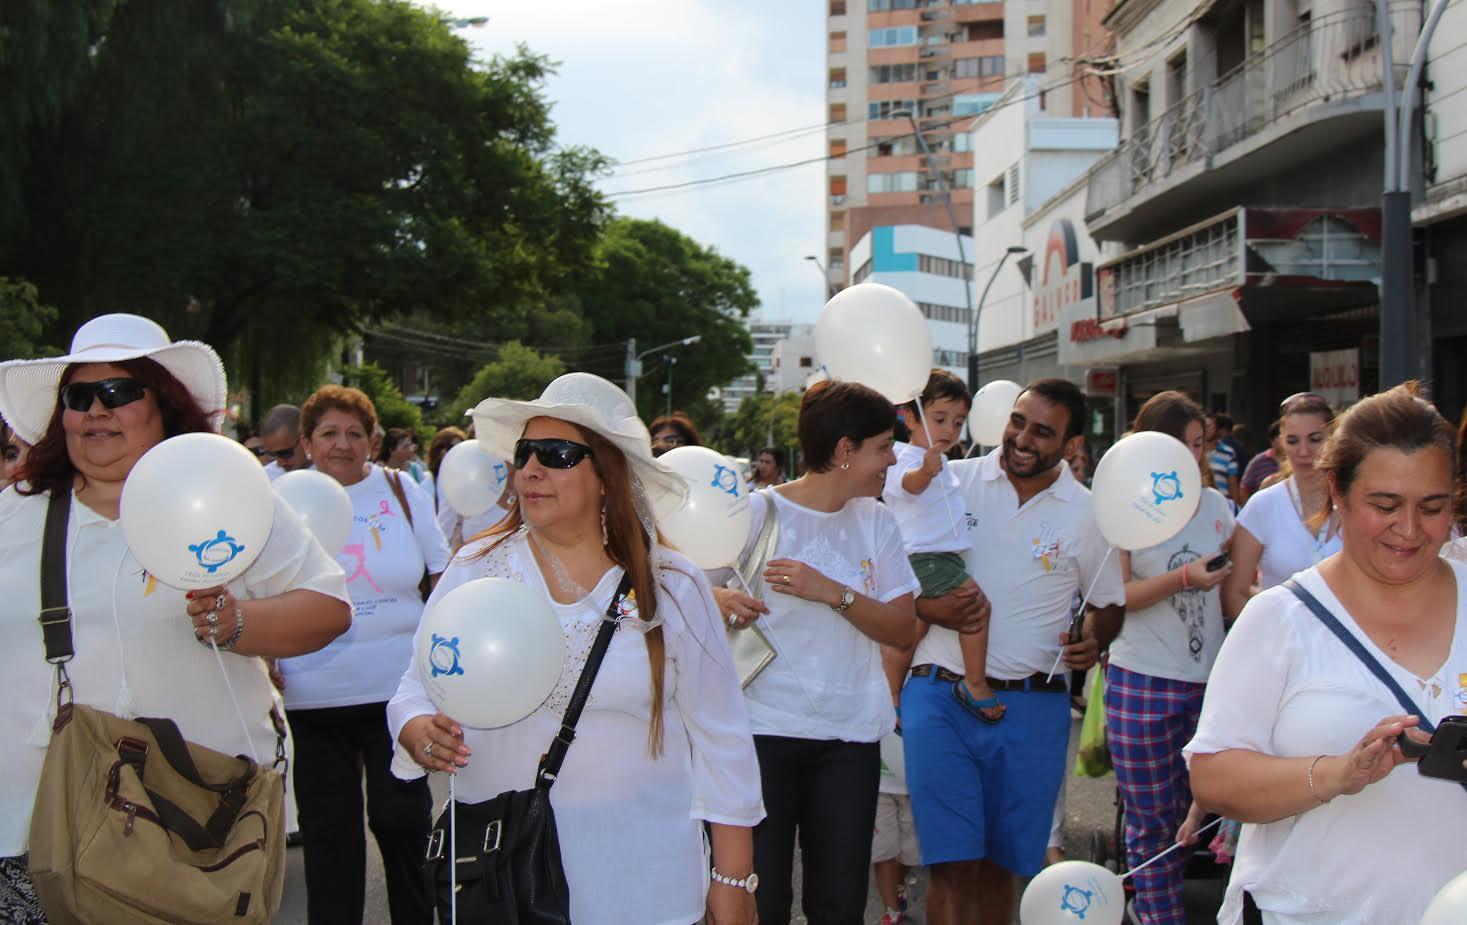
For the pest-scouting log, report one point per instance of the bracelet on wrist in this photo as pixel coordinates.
(1186, 584)
(1312, 792)
(229, 643)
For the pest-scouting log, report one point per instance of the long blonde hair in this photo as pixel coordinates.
(628, 545)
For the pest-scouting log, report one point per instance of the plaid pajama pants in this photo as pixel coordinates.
(1148, 720)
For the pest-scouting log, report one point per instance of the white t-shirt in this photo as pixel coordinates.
(135, 649)
(1178, 636)
(273, 470)
(1031, 562)
(1284, 685)
(931, 521)
(631, 833)
(383, 560)
(826, 680)
(1288, 546)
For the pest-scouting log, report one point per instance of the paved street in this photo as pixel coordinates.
(1089, 807)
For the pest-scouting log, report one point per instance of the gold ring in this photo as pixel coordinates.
(787, 579)
(428, 750)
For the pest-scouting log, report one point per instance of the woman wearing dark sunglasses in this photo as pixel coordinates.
(664, 744)
(91, 416)
(336, 699)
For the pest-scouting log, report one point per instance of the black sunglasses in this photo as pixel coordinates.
(553, 454)
(287, 453)
(78, 396)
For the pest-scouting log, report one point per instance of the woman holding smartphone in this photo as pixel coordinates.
(1299, 738)
(1158, 669)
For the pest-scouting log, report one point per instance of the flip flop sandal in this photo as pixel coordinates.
(976, 707)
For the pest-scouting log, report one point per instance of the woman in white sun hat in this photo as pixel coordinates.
(90, 415)
(664, 744)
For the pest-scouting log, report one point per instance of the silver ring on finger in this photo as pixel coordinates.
(733, 620)
(212, 618)
(428, 750)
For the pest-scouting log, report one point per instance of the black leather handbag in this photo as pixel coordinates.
(507, 850)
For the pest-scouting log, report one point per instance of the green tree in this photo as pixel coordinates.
(393, 410)
(270, 175)
(23, 320)
(760, 416)
(519, 373)
(656, 284)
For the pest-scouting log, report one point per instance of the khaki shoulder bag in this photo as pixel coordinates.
(132, 825)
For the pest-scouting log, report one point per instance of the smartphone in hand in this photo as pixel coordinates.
(1442, 757)
(1217, 561)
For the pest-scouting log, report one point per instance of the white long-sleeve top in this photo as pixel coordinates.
(630, 825)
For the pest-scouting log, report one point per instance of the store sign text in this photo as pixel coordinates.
(1088, 329)
(1066, 279)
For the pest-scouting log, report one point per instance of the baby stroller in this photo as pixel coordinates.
(1108, 849)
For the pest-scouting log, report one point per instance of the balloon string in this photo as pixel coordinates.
(778, 646)
(452, 849)
(238, 713)
(1168, 851)
(1080, 614)
(922, 416)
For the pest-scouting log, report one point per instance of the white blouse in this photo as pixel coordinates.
(135, 649)
(1285, 685)
(1272, 516)
(630, 825)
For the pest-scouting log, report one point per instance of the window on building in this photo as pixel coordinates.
(837, 259)
(1140, 106)
(982, 31)
(837, 112)
(995, 197)
(807, 362)
(838, 220)
(900, 182)
(889, 37)
(837, 147)
(963, 178)
(892, 73)
(837, 78)
(971, 104)
(1176, 79)
(1011, 184)
(837, 7)
(838, 185)
(1037, 62)
(862, 272)
(1036, 27)
(838, 41)
(886, 109)
(962, 142)
(881, 6)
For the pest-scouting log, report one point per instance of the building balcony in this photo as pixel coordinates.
(1311, 92)
(978, 12)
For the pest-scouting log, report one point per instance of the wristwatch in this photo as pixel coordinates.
(847, 598)
(749, 883)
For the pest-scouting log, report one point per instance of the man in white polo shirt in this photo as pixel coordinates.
(983, 795)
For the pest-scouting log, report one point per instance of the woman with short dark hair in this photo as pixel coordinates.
(671, 431)
(1299, 737)
(842, 589)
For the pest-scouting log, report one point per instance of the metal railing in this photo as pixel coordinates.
(1335, 57)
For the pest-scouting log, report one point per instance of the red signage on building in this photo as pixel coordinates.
(1065, 278)
(1102, 381)
(1088, 329)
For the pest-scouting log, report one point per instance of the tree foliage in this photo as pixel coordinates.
(393, 410)
(519, 373)
(658, 285)
(23, 321)
(760, 416)
(269, 175)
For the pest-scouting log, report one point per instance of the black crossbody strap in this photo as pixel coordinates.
(550, 764)
(55, 613)
(1353, 644)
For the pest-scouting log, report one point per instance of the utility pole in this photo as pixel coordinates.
(633, 369)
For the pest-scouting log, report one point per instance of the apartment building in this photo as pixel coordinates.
(765, 335)
(1245, 194)
(935, 63)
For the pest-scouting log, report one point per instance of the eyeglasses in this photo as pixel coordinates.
(114, 393)
(670, 440)
(552, 454)
(287, 453)
(257, 450)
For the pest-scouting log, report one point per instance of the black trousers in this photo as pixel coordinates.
(333, 746)
(827, 791)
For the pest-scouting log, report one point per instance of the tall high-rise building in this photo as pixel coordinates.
(942, 62)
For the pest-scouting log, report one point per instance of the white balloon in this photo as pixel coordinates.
(1449, 907)
(472, 478)
(1073, 891)
(875, 335)
(193, 513)
(490, 652)
(322, 503)
(712, 525)
(1145, 490)
(991, 409)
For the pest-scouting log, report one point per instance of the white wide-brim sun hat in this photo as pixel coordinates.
(597, 405)
(29, 388)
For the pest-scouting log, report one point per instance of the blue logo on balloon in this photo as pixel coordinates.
(216, 553)
(499, 473)
(443, 656)
(1165, 486)
(725, 479)
(1076, 901)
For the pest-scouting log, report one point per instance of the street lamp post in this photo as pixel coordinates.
(973, 321)
(952, 219)
(830, 289)
(634, 362)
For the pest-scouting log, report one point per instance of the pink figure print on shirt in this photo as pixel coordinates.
(359, 552)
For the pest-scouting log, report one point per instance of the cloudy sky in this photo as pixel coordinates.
(640, 79)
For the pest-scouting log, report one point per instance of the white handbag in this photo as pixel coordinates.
(751, 649)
